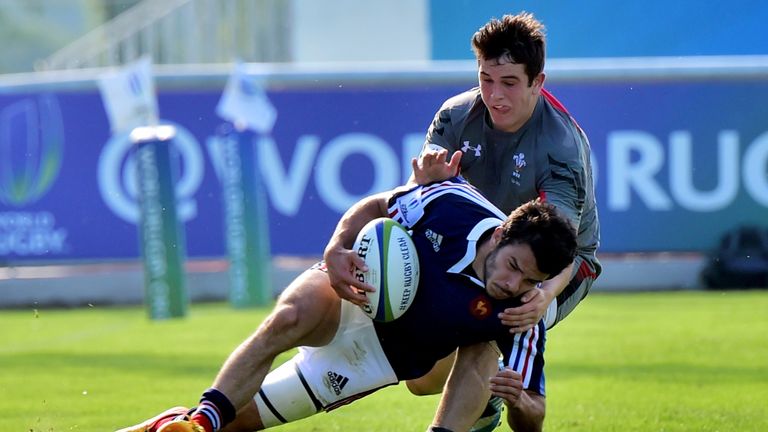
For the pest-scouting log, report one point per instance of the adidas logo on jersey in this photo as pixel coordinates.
(337, 381)
(435, 238)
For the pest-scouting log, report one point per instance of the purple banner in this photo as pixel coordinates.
(677, 163)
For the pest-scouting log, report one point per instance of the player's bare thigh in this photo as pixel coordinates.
(306, 314)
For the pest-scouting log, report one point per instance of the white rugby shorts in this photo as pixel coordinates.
(351, 366)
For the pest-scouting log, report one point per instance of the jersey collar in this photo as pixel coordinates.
(472, 238)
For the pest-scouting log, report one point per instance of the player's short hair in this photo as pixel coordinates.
(514, 38)
(550, 236)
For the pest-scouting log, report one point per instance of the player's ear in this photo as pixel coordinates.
(538, 82)
(496, 236)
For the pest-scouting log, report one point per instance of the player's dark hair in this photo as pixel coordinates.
(550, 235)
(516, 38)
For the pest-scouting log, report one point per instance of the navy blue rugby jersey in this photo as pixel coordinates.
(451, 308)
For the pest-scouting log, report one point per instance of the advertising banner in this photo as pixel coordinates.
(677, 164)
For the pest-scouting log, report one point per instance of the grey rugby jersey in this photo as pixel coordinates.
(549, 157)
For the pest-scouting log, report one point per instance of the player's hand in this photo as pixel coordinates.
(341, 264)
(508, 385)
(433, 165)
(527, 315)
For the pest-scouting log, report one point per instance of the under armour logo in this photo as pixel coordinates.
(466, 147)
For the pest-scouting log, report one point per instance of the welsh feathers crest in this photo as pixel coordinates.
(519, 160)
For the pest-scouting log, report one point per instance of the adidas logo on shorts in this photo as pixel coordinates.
(338, 382)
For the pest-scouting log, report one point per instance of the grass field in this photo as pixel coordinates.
(662, 361)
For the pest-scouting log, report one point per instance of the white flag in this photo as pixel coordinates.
(245, 103)
(129, 96)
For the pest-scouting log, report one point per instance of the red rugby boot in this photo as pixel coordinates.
(171, 420)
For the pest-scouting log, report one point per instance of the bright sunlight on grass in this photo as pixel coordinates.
(661, 361)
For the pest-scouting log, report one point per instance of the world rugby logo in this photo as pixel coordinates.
(31, 147)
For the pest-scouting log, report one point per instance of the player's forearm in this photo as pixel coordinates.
(355, 218)
(467, 390)
(553, 287)
(527, 415)
(459, 409)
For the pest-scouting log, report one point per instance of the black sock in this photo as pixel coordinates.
(217, 408)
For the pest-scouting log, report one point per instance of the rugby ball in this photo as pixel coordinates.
(393, 268)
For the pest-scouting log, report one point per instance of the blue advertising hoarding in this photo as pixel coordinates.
(677, 163)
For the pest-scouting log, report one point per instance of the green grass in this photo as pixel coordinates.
(666, 361)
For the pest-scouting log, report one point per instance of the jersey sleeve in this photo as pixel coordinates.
(565, 179)
(446, 126)
(441, 133)
(524, 352)
(407, 206)
(564, 186)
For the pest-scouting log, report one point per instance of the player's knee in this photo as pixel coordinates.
(423, 387)
(415, 388)
(307, 313)
(285, 317)
(300, 323)
(434, 380)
